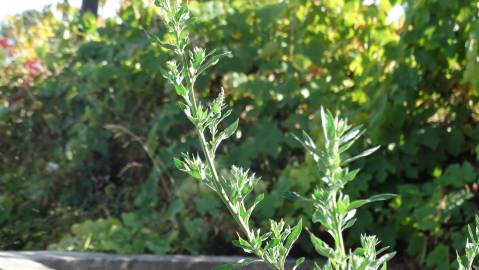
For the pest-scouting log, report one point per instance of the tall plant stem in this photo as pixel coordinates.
(219, 189)
(338, 232)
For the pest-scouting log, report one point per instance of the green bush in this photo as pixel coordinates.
(89, 138)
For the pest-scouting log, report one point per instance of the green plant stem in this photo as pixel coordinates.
(210, 160)
(337, 231)
(219, 189)
(218, 184)
(336, 215)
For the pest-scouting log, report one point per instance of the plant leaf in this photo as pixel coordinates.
(328, 124)
(231, 129)
(352, 135)
(363, 154)
(180, 90)
(295, 196)
(310, 146)
(385, 258)
(321, 247)
(349, 223)
(324, 123)
(298, 263)
(381, 197)
(180, 165)
(225, 134)
(257, 200)
(212, 59)
(374, 198)
(240, 263)
(294, 235)
(245, 245)
(357, 204)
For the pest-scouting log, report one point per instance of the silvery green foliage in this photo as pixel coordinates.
(472, 248)
(334, 210)
(271, 247)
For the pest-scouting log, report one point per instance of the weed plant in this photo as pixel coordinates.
(334, 210)
(271, 247)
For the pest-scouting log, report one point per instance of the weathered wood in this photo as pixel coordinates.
(47, 260)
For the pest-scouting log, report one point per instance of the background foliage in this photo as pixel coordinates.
(88, 126)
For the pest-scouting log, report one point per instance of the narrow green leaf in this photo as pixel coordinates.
(182, 12)
(308, 143)
(352, 135)
(180, 90)
(244, 215)
(381, 197)
(195, 174)
(319, 216)
(374, 198)
(257, 200)
(342, 206)
(225, 134)
(385, 258)
(238, 264)
(357, 204)
(321, 247)
(363, 154)
(245, 245)
(350, 176)
(229, 131)
(381, 250)
(218, 103)
(298, 263)
(350, 215)
(469, 230)
(198, 57)
(331, 126)
(265, 236)
(168, 46)
(359, 251)
(294, 235)
(212, 59)
(295, 196)
(349, 224)
(324, 123)
(180, 165)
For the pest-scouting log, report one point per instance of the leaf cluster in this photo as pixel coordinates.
(334, 209)
(472, 248)
(271, 247)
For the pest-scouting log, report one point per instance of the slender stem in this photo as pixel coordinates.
(337, 229)
(219, 189)
(334, 166)
(218, 184)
